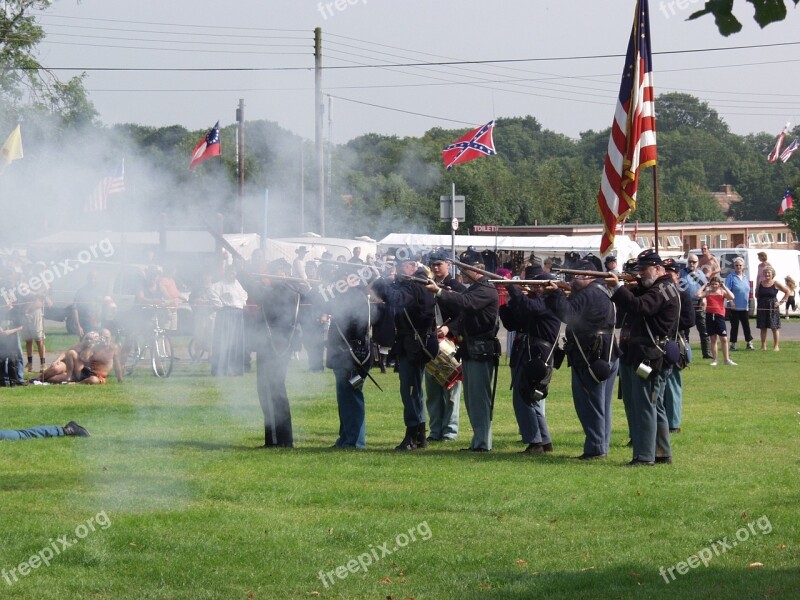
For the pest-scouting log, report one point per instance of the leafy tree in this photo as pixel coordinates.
(24, 82)
(676, 111)
(766, 12)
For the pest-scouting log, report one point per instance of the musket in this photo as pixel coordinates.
(286, 278)
(347, 265)
(415, 279)
(524, 281)
(462, 265)
(603, 274)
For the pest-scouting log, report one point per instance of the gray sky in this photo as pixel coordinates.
(752, 89)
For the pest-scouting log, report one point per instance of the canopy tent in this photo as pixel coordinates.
(548, 245)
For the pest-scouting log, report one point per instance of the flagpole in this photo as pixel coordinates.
(452, 217)
(655, 203)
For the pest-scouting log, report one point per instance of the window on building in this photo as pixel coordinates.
(705, 240)
(643, 241)
(752, 239)
(768, 239)
(673, 241)
(782, 237)
(723, 241)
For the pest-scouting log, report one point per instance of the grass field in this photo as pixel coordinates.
(184, 505)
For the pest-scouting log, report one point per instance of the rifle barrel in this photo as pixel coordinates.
(462, 265)
(523, 281)
(603, 274)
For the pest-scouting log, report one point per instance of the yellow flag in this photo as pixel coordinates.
(12, 149)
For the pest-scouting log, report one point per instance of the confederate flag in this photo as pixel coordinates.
(475, 144)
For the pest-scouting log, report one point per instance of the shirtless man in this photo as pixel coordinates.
(59, 371)
(105, 356)
(708, 263)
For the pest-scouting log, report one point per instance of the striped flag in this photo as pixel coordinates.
(632, 144)
(208, 147)
(786, 204)
(776, 152)
(113, 183)
(789, 150)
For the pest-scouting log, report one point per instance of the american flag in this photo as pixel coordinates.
(786, 204)
(789, 150)
(632, 144)
(776, 152)
(113, 183)
(476, 143)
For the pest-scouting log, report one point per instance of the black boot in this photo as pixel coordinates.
(409, 442)
(382, 362)
(420, 439)
(72, 428)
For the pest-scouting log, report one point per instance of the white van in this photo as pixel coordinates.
(785, 262)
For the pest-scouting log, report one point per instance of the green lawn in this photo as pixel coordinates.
(186, 506)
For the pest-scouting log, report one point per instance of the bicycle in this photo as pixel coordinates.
(158, 347)
(200, 344)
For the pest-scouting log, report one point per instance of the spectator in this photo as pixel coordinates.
(715, 294)
(708, 263)
(739, 308)
(762, 264)
(230, 298)
(173, 297)
(87, 309)
(791, 285)
(299, 263)
(44, 431)
(768, 308)
(692, 280)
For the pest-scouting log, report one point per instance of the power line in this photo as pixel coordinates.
(400, 110)
(215, 27)
(444, 63)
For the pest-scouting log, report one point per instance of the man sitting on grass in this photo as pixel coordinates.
(58, 371)
(44, 431)
(105, 356)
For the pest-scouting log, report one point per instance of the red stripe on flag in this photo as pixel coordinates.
(632, 140)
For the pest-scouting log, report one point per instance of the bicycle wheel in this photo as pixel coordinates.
(131, 353)
(162, 356)
(196, 350)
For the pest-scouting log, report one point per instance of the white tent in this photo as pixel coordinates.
(316, 245)
(548, 245)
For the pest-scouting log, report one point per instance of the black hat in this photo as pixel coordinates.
(471, 259)
(278, 265)
(583, 265)
(405, 254)
(534, 271)
(631, 266)
(649, 258)
(609, 259)
(438, 256)
(301, 250)
(671, 265)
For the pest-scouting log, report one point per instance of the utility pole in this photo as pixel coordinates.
(318, 124)
(302, 188)
(240, 161)
(330, 149)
